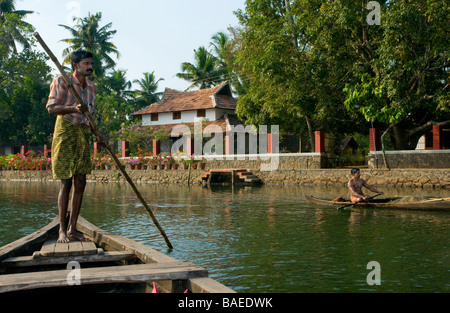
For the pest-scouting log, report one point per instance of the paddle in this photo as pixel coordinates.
(353, 203)
(438, 199)
(97, 134)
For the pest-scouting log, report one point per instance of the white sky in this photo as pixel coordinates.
(152, 35)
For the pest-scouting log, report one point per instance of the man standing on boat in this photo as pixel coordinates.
(355, 184)
(71, 151)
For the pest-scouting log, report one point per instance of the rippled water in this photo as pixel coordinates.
(261, 239)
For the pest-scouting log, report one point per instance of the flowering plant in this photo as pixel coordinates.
(134, 161)
(170, 160)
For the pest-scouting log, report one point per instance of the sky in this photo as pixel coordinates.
(152, 35)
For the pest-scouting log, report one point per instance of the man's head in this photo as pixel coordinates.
(355, 171)
(82, 62)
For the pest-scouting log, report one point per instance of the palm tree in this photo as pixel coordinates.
(220, 44)
(11, 27)
(147, 93)
(88, 35)
(224, 48)
(118, 84)
(206, 71)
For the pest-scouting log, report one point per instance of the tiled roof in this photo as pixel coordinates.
(224, 123)
(174, 100)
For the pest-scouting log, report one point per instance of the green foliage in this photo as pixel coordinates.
(321, 60)
(303, 65)
(24, 81)
(206, 72)
(88, 35)
(139, 137)
(147, 94)
(13, 29)
(289, 81)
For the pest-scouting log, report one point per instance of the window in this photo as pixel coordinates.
(154, 117)
(201, 113)
(177, 115)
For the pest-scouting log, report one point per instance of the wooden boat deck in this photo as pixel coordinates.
(102, 275)
(37, 261)
(53, 248)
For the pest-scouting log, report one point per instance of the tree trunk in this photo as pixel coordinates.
(312, 139)
(400, 138)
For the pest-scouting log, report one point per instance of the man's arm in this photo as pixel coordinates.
(57, 98)
(59, 109)
(372, 188)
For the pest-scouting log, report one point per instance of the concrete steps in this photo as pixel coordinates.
(230, 176)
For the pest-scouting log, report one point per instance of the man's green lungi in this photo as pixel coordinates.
(71, 151)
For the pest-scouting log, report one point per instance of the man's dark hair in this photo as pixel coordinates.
(355, 170)
(79, 55)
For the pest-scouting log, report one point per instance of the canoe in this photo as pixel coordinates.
(108, 263)
(394, 203)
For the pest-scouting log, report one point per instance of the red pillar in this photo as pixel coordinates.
(269, 143)
(125, 147)
(190, 146)
(438, 141)
(156, 147)
(46, 151)
(228, 143)
(320, 141)
(95, 149)
(375, 141)
(23, 150)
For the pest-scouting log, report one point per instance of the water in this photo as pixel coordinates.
(262, 239)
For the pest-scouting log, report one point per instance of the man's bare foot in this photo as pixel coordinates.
(76, 236)
(62, 238)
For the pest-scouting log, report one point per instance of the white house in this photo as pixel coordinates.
(215, 105)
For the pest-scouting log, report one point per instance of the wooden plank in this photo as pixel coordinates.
(25, 261)
(207, 285)
(88, 247)
(75, 248)
(116, 242)
(113, 274)
(61, 249)
(52, 248)
(48, 248)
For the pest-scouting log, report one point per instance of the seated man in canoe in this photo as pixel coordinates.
(355, 184)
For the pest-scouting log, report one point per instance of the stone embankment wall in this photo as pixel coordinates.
(432, 178)
(290, 169)
(411, 159)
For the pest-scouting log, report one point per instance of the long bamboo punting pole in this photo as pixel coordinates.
(97, 134)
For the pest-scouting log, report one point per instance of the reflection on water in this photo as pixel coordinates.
(264, 239)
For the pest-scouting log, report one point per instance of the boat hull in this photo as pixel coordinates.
(121, 265)
(386, 203)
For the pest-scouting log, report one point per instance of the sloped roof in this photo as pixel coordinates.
(224, 123)
(174, 100)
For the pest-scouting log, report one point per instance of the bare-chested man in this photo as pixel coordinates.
(355, 184)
